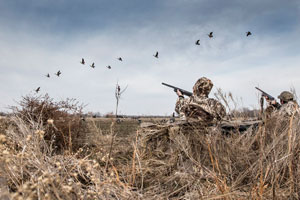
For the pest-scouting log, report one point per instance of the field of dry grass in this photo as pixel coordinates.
(120, 160)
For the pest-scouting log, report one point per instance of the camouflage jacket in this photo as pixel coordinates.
(202, 109)
(288, 109)
(199, 106)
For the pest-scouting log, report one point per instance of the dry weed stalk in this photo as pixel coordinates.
(118, 93)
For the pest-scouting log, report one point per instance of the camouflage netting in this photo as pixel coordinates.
(190, 160)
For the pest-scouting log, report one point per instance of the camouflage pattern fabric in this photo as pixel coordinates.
(202, 87)
(268, 111)
(288, 109)
(199, 106)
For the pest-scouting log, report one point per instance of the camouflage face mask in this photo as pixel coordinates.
(202, 87)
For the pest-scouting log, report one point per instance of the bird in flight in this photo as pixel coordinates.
(58, 73)
(120, 59)
(48, 75)
(210, 35)
(82, 61)
(38, 89)
(93, 65)
(248, 33)
(109, 67)
(197, 42)
(156, 55)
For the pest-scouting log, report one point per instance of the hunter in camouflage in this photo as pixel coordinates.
(288, 106)
(199, 106)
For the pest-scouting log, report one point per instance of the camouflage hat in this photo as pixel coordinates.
(286, 96)
(202, 87)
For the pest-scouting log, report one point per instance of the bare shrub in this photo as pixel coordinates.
(61, 121)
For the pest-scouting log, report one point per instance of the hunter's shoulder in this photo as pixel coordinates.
(290, 105)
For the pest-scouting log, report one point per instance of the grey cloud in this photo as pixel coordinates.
(234, 63)
(65, 17)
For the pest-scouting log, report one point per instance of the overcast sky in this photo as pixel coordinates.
(42, 36)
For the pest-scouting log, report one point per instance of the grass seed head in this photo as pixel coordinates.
(2, 138)
(5, 152)
(50, 121)
(40, 133)
(28, 138)
(67, 188)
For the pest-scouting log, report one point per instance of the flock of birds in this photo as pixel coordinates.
(210, 35)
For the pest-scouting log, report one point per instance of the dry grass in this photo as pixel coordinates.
(162, 161)
(34, 171)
